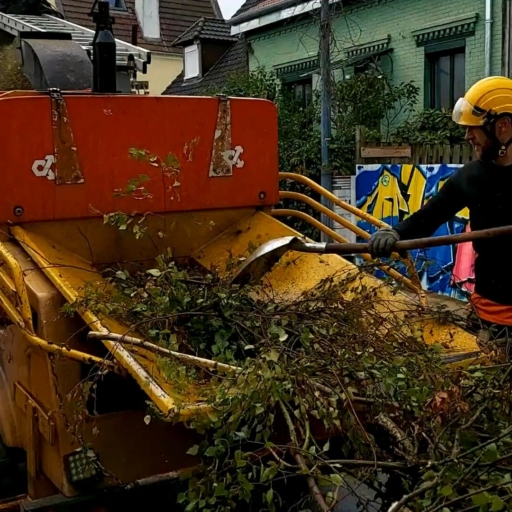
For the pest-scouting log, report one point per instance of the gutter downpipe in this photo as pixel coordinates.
(506, 37)
(488, 26)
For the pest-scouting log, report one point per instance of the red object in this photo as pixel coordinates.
(105, 128)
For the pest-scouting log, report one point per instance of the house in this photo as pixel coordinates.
(444, 47)
(150, 24)
(211, 55)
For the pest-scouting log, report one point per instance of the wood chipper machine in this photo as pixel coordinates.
(66, 166)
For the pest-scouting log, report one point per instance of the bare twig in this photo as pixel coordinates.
(465, 497)
(369, 463)
(399, 505)
(198, 361)
(384, 421)
(317, 494)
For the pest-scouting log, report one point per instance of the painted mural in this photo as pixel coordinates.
(392, 193)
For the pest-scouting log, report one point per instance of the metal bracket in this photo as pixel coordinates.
(26, 402)
(67, 167)
(223, 156)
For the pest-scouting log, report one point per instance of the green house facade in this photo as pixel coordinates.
(443, 46)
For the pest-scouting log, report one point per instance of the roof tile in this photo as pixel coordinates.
(247, 5)
(262, 4)
(206, 28)
(176, 16)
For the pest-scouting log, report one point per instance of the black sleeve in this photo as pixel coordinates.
(438, 210)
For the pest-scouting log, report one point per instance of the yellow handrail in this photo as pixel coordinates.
(297, 196)
(335, 236)
(333, 199)
(19, 284)
(52, 348)
(411, 268)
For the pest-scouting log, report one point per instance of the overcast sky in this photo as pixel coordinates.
(229, 7)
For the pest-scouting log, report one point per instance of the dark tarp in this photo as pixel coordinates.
(28, 7)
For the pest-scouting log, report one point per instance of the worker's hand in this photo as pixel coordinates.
(382, 243)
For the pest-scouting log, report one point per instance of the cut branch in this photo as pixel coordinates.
(400, 505)
(384, 421)
(317, 494)
(198, 361)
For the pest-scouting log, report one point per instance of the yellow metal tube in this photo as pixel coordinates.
(148, 383)
(331, 197)
(297, 196)
(6, 281)
(11, 311)
(53, 348)
(284, 212)
(335, 236)
(411, 269)
(19, 283)
(76, 355)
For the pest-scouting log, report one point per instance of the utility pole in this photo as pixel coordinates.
(325, 74)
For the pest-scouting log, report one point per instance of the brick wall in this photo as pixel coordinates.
(396, 18)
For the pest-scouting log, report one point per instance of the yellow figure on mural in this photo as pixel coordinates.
(397, 198)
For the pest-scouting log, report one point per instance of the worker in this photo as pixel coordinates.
(485, 187)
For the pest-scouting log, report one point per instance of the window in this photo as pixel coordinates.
(192, 61)
(117, 4)
(446, 77)
(302, 91)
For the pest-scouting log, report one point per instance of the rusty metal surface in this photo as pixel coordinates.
(222, 141)
(67, 167)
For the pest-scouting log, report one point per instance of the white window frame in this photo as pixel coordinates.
(189, 51)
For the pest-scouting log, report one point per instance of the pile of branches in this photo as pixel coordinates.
(328, 392)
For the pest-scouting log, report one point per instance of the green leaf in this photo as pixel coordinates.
(429, 475)
(336, 479)
(194, 450)
(172, 161)
(246, 485)
(121, 275)
(154, 272)
(447, 490)
(326, 447)
(481, 499)
(220, 489)
(497, 504)
(239, 459)
(211, 451)
(490, 453)
(270, 495)
(191, 506)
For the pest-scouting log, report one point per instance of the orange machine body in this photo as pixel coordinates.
(67, 160)
(65, 156)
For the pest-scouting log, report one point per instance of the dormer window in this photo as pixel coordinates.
(119, 5)
(204, 44)
(192, 63)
